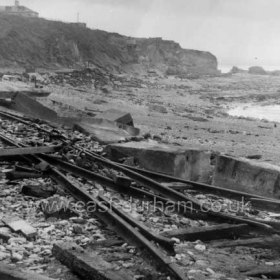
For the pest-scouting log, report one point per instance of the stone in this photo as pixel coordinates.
(19, 225)
(16, 257)
(4, 256)
(246, 175)
(185, 163)
(77, 229)
(57, 207)
(200, 247)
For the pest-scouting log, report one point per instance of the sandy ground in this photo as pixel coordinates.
(192, 113)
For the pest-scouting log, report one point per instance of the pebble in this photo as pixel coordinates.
(177, 240)
(3, 256)
(77, 229)
(200, 247)
(16, 257)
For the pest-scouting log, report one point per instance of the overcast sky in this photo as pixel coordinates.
(237, 32)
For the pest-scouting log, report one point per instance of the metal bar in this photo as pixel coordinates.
(163, 241)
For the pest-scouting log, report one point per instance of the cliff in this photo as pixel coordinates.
(41, 43)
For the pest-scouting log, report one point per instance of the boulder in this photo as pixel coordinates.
(185, 163)
(247, 175)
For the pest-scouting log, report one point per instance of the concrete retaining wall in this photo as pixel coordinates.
(247, 175)
(190, 164)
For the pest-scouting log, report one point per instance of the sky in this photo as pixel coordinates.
(237, 32)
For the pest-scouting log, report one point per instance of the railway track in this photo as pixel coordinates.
(82, 172)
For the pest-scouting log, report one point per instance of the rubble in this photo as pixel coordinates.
(117, 116)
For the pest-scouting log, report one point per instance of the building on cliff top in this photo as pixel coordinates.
(18, 10)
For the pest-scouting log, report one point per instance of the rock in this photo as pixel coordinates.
(16, 257)
(4, 256)
(158, 108)
(30, 107)
(77, 229)
(257, 70)
(200, 247)
(57, 207)
(42, 191)
(19, 225)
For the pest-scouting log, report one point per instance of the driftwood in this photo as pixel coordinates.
(87, 264)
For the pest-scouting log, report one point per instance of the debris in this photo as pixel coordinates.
(30, 107)
(158, 109)
(5, 233)
(86, 264)
(105, 131)
(41, 190)
(58, 207)
(122, 181)
(18, 225)
(223, 231)
(16, 175)
(117, 116)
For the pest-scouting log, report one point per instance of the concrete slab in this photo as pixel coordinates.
(117, 116)
(189, 164)
(30, 107)
(247, 175)
(105, 131)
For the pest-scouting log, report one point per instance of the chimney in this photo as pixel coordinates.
(16, 3)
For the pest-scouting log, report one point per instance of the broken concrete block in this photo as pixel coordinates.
(189, 164)
(117, 116)
(18, 225)
(30, 107)
(247, 175)
(105, 131)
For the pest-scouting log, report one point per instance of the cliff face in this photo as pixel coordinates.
(36, 42)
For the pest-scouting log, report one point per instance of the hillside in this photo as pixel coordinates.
(36, 42)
